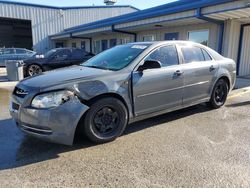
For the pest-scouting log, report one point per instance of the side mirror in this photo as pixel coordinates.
(149, 64)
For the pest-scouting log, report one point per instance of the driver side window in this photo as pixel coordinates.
(62, 55)
(166, 55)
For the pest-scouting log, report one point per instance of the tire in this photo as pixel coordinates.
(33, 69)
(219, 94)
(106, 120)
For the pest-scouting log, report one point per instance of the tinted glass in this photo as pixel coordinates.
(167, 55)
(1, 51)
(9, 51)
(20, 51)
(78, 54)
(199, 36)
(50, 53)
(116, 58)
(192, 54)
(206, 55)
(63, 53)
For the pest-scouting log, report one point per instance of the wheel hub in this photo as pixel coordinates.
(105, 120)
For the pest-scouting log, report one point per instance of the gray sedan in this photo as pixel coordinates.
(121, 85)
(14, 54)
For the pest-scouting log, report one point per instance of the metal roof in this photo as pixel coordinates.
(166, 9)
(64, 8)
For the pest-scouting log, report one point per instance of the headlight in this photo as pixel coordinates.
(52, 99)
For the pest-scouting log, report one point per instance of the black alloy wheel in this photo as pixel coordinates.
(106, 120)
(219, 95)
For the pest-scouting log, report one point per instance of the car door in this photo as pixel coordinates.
(200, 72)
(62, 58)
(158, 89)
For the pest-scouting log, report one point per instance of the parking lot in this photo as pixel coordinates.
(195, 147)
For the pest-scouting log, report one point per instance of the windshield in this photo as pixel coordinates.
(49, 53)
(116, 58)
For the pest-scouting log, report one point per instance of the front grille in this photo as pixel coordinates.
(15, 106)
(20, 92)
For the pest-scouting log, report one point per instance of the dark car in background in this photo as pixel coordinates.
(54, 59)
(14, 54)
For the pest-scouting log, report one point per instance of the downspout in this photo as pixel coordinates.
(87, 38)
(218, 22)
(124, 32)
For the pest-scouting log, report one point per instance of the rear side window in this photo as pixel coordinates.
(9, 51)
(206, 55)
(21, 51)
(167, 55)
(192, 54)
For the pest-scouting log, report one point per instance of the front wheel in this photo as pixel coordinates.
(106, 120)
(219, 94)
(33, 70)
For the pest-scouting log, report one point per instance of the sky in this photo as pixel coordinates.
(141, 4)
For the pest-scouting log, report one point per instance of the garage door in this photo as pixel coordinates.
(15, 33)
(244, 69)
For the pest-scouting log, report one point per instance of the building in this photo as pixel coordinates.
(223, 25)
(29, 25)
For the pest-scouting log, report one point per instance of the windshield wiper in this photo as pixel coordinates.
(103, 68)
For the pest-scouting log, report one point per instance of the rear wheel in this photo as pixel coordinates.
(106, 120)
(219, 95)
(34, 69)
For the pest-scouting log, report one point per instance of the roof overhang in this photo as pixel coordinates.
(237, 10)
(215, 10)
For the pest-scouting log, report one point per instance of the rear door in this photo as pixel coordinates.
(159, 89)
(200, 72)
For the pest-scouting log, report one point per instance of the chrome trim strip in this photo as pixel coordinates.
(35, 129)
(163, 91)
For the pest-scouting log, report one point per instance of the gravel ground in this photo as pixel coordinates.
(195, 147)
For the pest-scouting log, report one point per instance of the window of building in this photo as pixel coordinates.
(167, 55)
(201, 37)
(192, 54)
(59, 45)
(148, 38)
(83, 45)
(73, 44)
(97, 47)
(125, 40)
(112, 43)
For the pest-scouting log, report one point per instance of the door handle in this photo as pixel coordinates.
(178, 73)
(212, 68)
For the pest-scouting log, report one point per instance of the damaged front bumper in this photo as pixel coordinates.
(57, 125)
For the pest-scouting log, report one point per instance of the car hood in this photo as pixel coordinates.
(63, 76)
